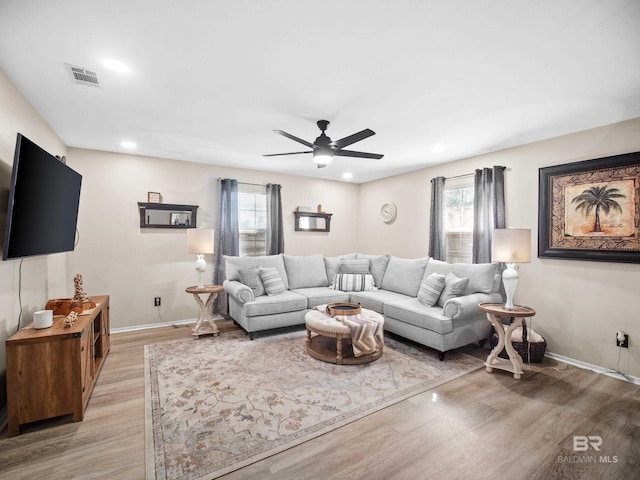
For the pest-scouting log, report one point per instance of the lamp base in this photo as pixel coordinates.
(510, 281)
(201, 266)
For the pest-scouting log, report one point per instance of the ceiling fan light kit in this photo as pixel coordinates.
(324, 149)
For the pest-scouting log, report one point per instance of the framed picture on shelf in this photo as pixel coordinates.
(154, 197)
(590, 210)
(180, 218)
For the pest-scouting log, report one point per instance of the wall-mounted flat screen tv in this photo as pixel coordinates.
(44, 196)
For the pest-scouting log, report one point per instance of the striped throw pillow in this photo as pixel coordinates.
(353, 282)
(272, 281)
(431, 289)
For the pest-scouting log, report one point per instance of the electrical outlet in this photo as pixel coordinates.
(624, 343)
(156, 302)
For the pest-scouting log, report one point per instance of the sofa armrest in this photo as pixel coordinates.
(238, 290)
(467, 305)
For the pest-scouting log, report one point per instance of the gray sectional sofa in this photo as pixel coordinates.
(431, 302)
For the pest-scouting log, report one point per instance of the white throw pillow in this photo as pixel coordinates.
(431, 288)
(353, 282)
(272, 281)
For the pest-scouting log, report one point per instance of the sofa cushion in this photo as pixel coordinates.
(431, 289)
(305, 271)
(415, 313)
(454, 287)
(481, 275)
(377, 267)
(376, 300)
(321, 295)
(233, 264)
(360, 265)
(270, 305)
(272, 281)
(251, 278)
(404, 275)
(353, 282)
(332, 265)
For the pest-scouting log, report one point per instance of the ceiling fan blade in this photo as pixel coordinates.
(352, 153)
(295, 139)
(356, 137)
(291, 153)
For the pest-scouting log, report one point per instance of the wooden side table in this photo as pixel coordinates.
(494, 311)
(205, 324)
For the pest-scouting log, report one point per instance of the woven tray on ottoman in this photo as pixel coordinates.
(535, 349)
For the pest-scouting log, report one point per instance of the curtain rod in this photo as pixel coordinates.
(464, 175)
(460, 176)
(248, 183)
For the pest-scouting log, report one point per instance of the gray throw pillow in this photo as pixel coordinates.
(272, 281)
(431, 288)
(251, 278)
(377, 267)
(355, 266)
(454, 287)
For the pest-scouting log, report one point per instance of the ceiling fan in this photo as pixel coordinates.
(324, 149)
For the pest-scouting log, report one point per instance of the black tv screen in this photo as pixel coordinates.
(43, 203)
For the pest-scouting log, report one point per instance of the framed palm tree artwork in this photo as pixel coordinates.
(590, 210)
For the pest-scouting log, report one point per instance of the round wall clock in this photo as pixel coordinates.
(388, 212)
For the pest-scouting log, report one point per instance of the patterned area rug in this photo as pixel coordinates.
(216, 404)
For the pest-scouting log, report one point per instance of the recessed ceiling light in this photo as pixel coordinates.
(347, 175)
(115, 65)
(439, 148)
(128, 145)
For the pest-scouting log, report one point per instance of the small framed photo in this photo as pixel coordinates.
(154, 197)
(180, 218)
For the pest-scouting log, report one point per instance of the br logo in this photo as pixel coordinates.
(582, 443)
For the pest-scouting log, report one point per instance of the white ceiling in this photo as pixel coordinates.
(210, 80)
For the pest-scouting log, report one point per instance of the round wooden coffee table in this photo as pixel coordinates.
(332, 340)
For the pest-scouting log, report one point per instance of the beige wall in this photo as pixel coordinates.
(41, 276)
(134, 265)
(579, 304)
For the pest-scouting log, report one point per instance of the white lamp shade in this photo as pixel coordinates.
(511, 245)
(200, 240)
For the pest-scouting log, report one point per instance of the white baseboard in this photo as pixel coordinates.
(594, 368)
(153, 325)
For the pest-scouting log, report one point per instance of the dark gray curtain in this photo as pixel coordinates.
(275, 228)
(226, 237)
(437, 243)
(488, 210)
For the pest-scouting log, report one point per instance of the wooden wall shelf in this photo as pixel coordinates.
(312, 222)
(167, 215)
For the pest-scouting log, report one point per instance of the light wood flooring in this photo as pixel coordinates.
(482, 425)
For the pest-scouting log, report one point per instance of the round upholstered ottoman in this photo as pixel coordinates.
(332, 341)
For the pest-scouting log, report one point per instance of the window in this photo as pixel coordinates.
(252, 220)
(458, 220)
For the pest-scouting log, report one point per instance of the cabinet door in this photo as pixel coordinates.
(86, 354)
(105, 330)
(38, 371)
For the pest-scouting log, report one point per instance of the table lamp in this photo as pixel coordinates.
(511, 246)
(200, 242)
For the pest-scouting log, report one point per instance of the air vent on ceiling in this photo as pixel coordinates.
(83, 76)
